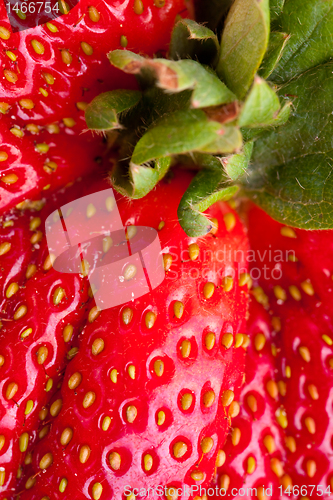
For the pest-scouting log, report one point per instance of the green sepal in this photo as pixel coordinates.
(228, 140)
(280, 119)
(260, 107)
(103, 113)
(192, 40)
(290, 175)
(276, 46)
(235, 165)
(176, 76)
(244, 43)
(209, 185)
(276, 8)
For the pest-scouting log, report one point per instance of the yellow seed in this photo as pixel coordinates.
(185, 348)
(310, 424)
(93, 314)
(286, 482)
(48, 78)
(30, 483)
(148, 462)
(167, 261)
(227, 397)
(131, 231)
(193, 250)
(107, 243)
(115, 460)
(28, 407)
(28, 458)
(67, 333)
(130, 272)
(209, 341)
(48, 262)
(236, 436)
(131, 413)
(89, 399)
(49, 385)
(9, 179)
(227, 283)
(227, 340)
(251, 465)
(305, 353)
(3, 156)
(313, 391)
(159, 3)
(178, 309)
(138, 7)
(11, 290)
(131, 371)
(27, 103)
(84, 454)
(43, 413)
(290, 444)
(295, 293)
(32, 128)
(330, 363)
(10, 76)
(272, 389)
(11, 55)
(46, 461)
(106, 423)
(20, 312)
(292, 258)
(75, 380)
(87, 49)
(186, 401)
(269, 443)
(327, 339)
(52, 27)
(161, 417)
(66, 56)
(280, 293)
(114, 375)
(277, 467)
(170, 494)
(229, 221)
(56, 407)
(159, 367)
(252, 402)
(150, 319)
(8, 223)
(288, 232)
(43, 91)
(97, 347)
(42, 354)
(282, 387)
(127, 315)
(261, 495)
(4, 106)
(208, 290)
(2, 441)
(197, 475)
(259, 341)
(288, 371)
(58, 295)
(208, 398)
(245, 279)
(5, 247)
(307, 287)
(239, 339)
(38, 47)
(34, 223)
(63, 485)
(23, 442)
(36, 237)
(234, 409)
(206, 444)
(311, 468)
(281, 417)
(110, 203)
(220, 458)
(97, 491)
(123, 41)
(18, 133)
(93, 14)
(81, 105)
(179, 449)
(224, 482)
(4, 33)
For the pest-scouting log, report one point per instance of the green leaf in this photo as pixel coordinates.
(276, 8)
(192, 40)
(211, 12)
(244, 43)
(236, 165)
(176, 76)
(310, 25)
(261, 106)
(103, 112)
(277, 43)
(209, 185)
(290, 175)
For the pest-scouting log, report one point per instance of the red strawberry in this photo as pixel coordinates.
(34, 161)
(254, 455)
(145, 401)
(49, 71)
(298, 286)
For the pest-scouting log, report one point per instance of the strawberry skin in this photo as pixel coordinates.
(254, 452)
(60, 64)
(145, 401)
(300, 299)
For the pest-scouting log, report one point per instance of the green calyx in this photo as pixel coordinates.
(252, 114)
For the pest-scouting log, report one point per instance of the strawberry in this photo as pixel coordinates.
(50, 72)
(298, 287)
(254, 454)
(145, 401)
